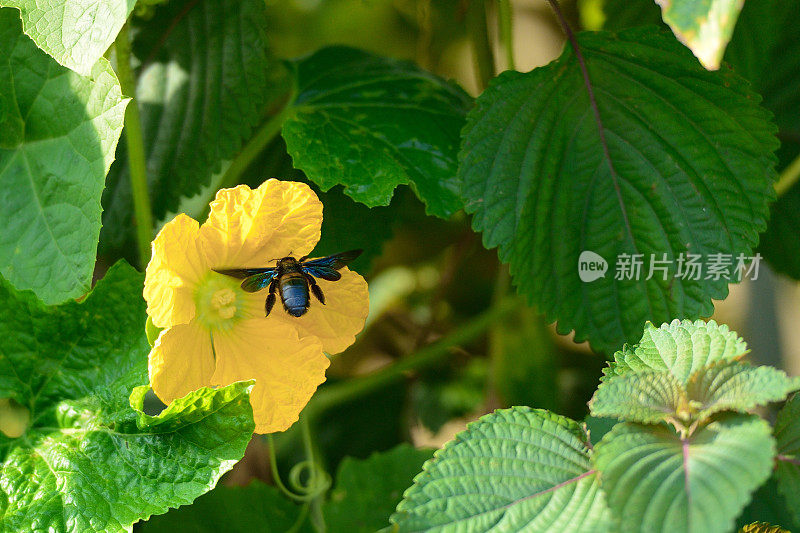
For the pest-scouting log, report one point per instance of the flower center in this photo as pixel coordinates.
(218, 300)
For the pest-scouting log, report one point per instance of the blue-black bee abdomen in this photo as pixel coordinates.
(294, 294)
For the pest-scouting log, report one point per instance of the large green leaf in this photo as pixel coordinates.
(256, 507)
(368, 490)
(58, 132)
(516, 469)
(787, 433)
(674, 160)
(705, 26)
(88, 462)
(766, 50)
(655, 480)
(680, 347)
(208, 83)
(74, 32)
(372, 123)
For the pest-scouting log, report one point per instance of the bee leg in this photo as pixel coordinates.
(315, 288)
(271, 297)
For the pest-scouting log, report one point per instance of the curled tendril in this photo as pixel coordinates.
(317, 480)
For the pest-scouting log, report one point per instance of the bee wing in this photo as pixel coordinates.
(243, 273)
(259, 281)
(323, 272)
(333, 262)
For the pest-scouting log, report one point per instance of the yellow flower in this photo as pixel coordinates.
(216, 333)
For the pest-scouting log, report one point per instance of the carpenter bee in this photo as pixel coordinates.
(292, 277)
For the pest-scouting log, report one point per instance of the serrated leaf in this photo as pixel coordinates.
(787, 433)
(58, 132)
(737, 386)
(372, 123)
(368, 490)
(655, 480)
(766, 50)
(647, 397)
(680, 347)
(544, 185)
(88, 462)
(207, 84)
(704, 26)
(75, 33)
(256, 507)
(513, 470)
(761, 527)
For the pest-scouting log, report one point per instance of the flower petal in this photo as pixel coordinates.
(172, 273)
(338, 321)
(250, 228)
(181, 361)
(287, 369)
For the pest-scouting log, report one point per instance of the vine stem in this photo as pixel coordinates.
(343, 392)
(137, 165)
(317, 517)
(482, 47)
(788, 177)
(505, 17)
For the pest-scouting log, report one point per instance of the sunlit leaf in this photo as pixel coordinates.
(680, 347)
(90, 459)
(74, 32)
(647, 397)
(657, 481)
(516, 469)
(738, 386)
(371, 123)
(705, 26)
(58, 132)
(546, 183)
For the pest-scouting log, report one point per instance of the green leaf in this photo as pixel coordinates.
(704, 26)
(769, 505)
(647, 397)
(88, 462)
(766, 50)
(76, 33)
(513, 470)
(655, 480)
(368, 490)
(738, 386)
(58, 132)
(208, 86)
(787, 433)
(650, 396)
(256, 507)
(680, 347)
(372, 123)
(544, 185)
